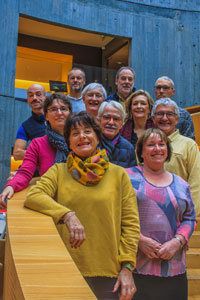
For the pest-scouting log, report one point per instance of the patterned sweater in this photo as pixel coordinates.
(164, 212)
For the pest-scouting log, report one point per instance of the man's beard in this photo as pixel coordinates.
(76, 89)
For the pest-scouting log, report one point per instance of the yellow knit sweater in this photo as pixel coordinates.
(108, 211)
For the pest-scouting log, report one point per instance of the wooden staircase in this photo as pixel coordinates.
(193, 265)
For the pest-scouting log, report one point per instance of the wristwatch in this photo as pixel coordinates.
(128, 265)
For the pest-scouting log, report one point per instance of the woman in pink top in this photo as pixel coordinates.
(44, 151)
(167, 220)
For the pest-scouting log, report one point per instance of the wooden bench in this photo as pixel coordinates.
(37, 263)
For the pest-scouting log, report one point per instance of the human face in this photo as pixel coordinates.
(154, 152)
(111, 122)
(168, 121)
(163, 89)
(93, 99)
(57, 114)
(35, 98)
(76, 80)
(140, 107)
(83, 141)
(125, 83)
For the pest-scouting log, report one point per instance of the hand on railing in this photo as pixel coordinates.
(6, 194)
(76, 229)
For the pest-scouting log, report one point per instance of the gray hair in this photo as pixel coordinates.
(76, 69)
(111, 103)
(164, 102)
(124, 68)
(92, 86)
(166, 78)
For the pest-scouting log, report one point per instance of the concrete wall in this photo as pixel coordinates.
(165, 41)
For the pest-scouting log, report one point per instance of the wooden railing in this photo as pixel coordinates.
(193, 109)
(37, 263)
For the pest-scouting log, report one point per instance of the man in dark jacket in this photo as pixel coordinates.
(111, 116)
(35, 125)
(124, 82)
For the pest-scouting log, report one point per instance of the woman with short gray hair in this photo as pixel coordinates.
(93, 95)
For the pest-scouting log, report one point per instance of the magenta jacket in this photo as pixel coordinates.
(40, 154)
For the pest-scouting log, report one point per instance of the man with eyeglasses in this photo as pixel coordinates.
(111, 117)
(124, 82)
(185, 158)
(34, 126)
(164, 87)
(76, 81)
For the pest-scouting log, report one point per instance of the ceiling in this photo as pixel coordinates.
(59, 33)
(52, 32)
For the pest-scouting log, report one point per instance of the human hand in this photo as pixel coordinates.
(149, 246)
(7, 193)
(11, 175)
(76, 229)
(125, 280)
(168, 249)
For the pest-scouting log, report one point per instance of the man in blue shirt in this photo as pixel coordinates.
(164, 88)
(76, 82)
(35, 125)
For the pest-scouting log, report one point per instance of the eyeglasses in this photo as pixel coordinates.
(54, 110)
(164, 87)
(168, 114)
(109, 117)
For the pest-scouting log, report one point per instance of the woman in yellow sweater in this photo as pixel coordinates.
(94, 206)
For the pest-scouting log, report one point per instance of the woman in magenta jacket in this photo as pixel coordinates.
(44, 151)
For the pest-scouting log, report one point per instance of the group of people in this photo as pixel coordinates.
(120, 178)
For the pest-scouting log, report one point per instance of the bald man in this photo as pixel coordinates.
(35, 125)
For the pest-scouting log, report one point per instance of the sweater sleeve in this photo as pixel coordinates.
(188, 221)
(27, 169)
(130, 226)
(41, 196)
(193, 167)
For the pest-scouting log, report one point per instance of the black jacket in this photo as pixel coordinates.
(121, 154)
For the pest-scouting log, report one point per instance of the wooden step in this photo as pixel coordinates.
(194, 241)
(193, 258)
(193, 276)
(193, 264)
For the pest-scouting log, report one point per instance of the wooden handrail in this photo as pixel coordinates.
(193, 109)
(37, 263)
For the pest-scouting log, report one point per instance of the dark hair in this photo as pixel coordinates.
(84, 118)
(130, 101)
(49, 100)
(145, 136)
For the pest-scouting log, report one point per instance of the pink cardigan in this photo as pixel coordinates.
(39, 154)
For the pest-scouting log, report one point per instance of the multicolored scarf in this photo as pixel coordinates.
(58, 142)
(90, 171)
